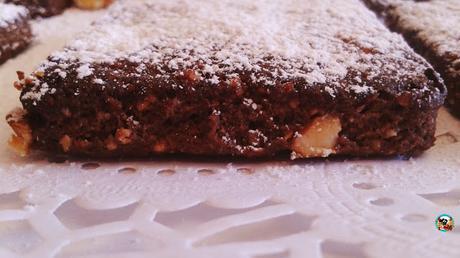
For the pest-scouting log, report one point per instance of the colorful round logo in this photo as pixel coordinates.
(445, 223)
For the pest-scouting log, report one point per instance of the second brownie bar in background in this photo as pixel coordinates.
(432, 28)
(15, 31)
(43, 8)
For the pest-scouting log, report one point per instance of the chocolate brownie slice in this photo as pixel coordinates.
(247, 78)
(43, 8)
(432, 28)
(15, 31)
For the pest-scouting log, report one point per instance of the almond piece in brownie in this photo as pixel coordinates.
(15, 31)
(43, 8)
(432, 28)
(245, 78)
(92, 4)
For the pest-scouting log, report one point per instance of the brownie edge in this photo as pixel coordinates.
(220, 121)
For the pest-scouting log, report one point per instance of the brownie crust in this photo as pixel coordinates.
(15, 32)
(240, 119)
(43, 8)
(135, 107)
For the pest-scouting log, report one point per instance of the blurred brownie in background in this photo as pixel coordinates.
(432, 28)
(15, 31)
(43, 8)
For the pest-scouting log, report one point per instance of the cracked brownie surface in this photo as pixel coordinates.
(246, 78)
(15, 31)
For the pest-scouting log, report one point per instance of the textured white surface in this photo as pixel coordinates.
(326, 209)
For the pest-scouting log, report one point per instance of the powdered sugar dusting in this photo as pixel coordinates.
(11, 13)
(272, 41)
(360, 88)
(84, 70)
